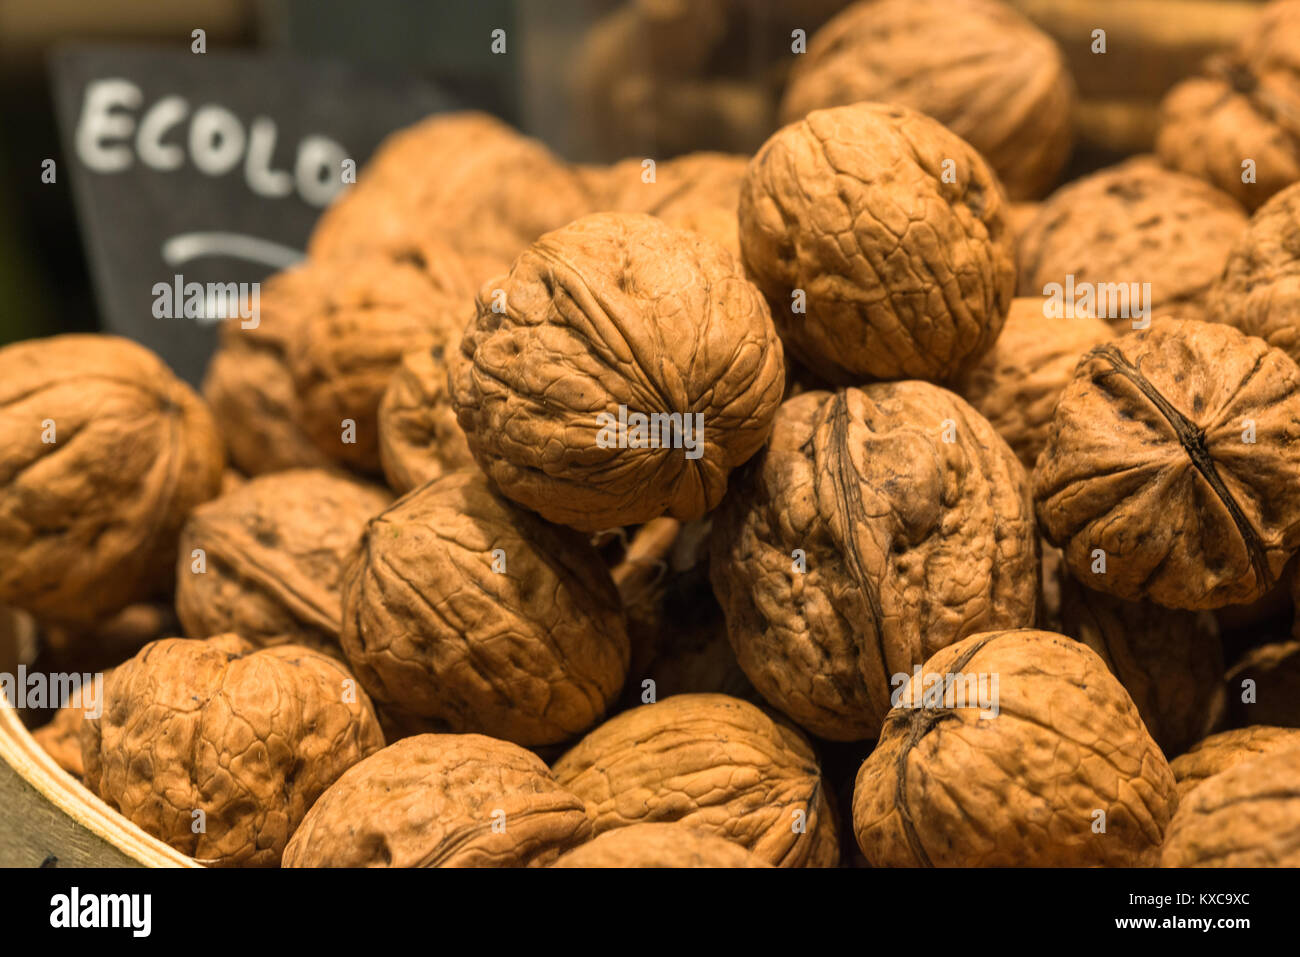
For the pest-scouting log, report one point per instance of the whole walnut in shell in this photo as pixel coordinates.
(104, 453)
(709, 762)
(1244, 106)
(1166, 470)
(1017, 382)
(419, 437)
(978, 67)
(250, 738)
(619, 373)
(659, 846)
(272, 558)
(1264, 686)
(462, 608)
(1125, 226)
(1246, 816)
(1259, 291)
(880, 525)
(61, 737)
(1227, 749)
(880, 241)
(442, 800)
(1005, 752)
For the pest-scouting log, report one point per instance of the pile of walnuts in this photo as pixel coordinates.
(560, 515)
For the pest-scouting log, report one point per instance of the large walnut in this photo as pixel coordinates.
(273, 554)
(248, 738)
(1013, 749)
(465, 179)
(1125, 226)
(1259, 291)
(1246, 816)
(372, 310)
(659, 846)
(978, 67)
(710, 762)
(103, 452)
(880, 525)
(880, 241)
(1017, 382)
(442, 800)
(620, 372)
(1166, 469)
(419, 437)
(460, 607)
(1245, 106)
(1264, 686)
(1227, 749)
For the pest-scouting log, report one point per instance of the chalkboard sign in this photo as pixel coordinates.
(194, 173)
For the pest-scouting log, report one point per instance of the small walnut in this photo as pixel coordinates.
(1162, 482)
(442, 800)
(710, 762)
(103, 452)
(880, 525)
(266, 560)
(1007, 751)
(623, 370)
(880, 241)
(1264, 686)
(978, 67)
(1259, 291)
(61, 737)
(1143, 239)
(659, 846)
(462, 608)
(419, 437)
(1227, 749)
(1246, 816)
(217, 732)
(1017, 382)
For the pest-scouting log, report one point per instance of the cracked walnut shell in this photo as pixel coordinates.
(249, 738)
(709, 762)
(615, 319)
(880, 525)
(659, 846)
(1167, 469)
(1011, 750)
(880, 240)
(103, 452)
(461, 608)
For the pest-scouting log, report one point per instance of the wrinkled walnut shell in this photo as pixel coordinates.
(659, 846)
(1227, 749)
(895, 231)
(908, 542)
(710, 762)
(948, 787)
(442, 800)
(61, 737)
(419, 437)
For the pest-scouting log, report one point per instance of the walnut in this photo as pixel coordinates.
(1227, 749)
(1245, 106)
(660, 846)
(1259, 291)
(1017, 382)
(249, 738)
(710, 762)
(880, 241)
(381, 306)
(61, 737)
(1122, 228)
(1170, 662)
(978, 67)
(1264, 686)
(619, 373)
(880, 525)
(1162, 482)
(1009, 750)
(462, 608)
(442, 800)
(465, 179)
(104, 454)
(266, 561)
(419, 437)
(1246, 816)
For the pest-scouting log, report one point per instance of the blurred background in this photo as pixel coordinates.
(595, 79)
